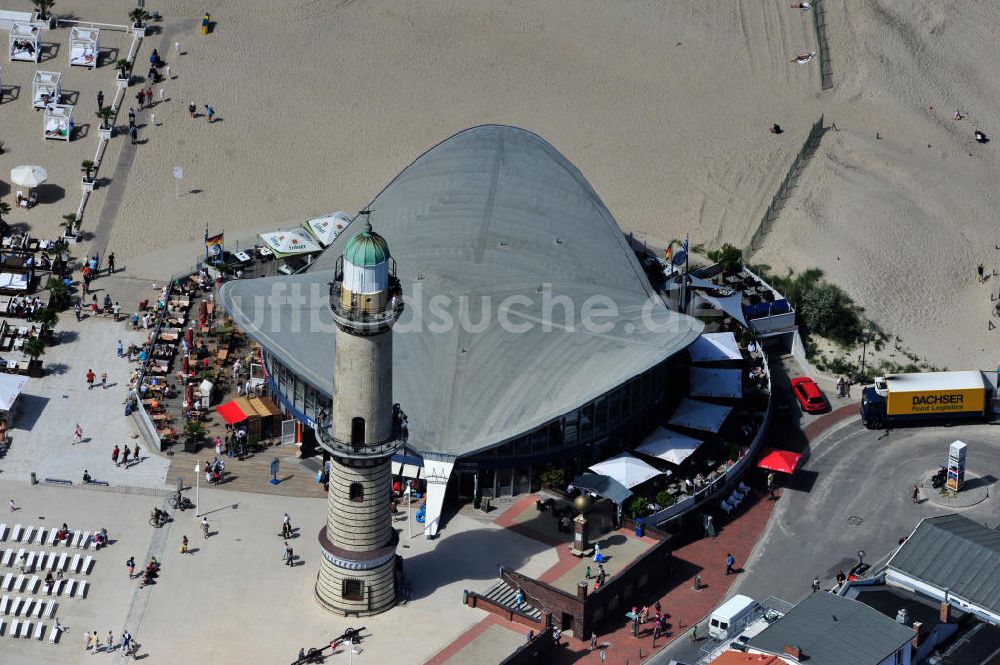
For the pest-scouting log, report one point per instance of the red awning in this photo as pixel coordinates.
(231, 412)
(783, 461)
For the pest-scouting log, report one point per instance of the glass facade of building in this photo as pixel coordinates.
(597, 430)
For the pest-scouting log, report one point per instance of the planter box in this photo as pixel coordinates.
(139, 30)
(70, 238)
(105, 133)
(87, 185)
(35, 369)
(122, 82)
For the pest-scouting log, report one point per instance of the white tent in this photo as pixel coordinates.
(46, 88)
(327, 227)
(711, 382)
(206, 393)
(289, 242)
(704, 416)
(28, 175)
(715, 347)
(23, 43)
(669, 446)
(627, 469)
(10, 388)
(59, 122)
(83, 46)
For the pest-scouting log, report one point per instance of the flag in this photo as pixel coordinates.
(213, 245)
(668, 252)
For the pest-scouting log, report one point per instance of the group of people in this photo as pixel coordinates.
(215, 471)
(92, 643)
(844, 387)
(23, 306)
(120, 456)
(29, 201)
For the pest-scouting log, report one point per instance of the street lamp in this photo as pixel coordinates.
(197, 489)
(864, 348)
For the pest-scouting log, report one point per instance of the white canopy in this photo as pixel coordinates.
(84, 43)
(288, 242)
(731, 305)
(715, 347)
(669, 446)
(10, 388)
(704, 416)
(711, 382)
(327, 227)
(627, 469)
(28, 176)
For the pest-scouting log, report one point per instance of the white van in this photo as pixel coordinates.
(730, 618)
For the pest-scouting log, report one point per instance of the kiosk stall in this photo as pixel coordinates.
(59, 122)
(83, 46)
(24, 44)
(46, 88)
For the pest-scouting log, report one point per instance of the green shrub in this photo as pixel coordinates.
(729, 257)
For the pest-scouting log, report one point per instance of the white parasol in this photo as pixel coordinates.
(288, 242)
(326, 228)
(28, 176)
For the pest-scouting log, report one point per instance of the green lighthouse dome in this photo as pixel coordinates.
(367, 248)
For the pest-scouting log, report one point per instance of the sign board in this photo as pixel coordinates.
(274, 466)
(178, 172)
(956, 465)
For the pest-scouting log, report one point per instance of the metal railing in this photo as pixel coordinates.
(805, 152)
(822, 45)
(361, 450)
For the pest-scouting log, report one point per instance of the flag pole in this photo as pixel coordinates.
(206, 243)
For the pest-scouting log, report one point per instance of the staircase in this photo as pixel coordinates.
(504, 596)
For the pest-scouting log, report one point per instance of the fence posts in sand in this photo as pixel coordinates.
(805, 152)
(822, 45)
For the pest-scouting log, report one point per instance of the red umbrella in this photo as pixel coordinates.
(783, 461)
(184, 365)
(202, 314)
(189, 336)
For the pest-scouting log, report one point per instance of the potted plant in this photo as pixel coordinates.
(138, 16)
(124, 68)
(47, 318)
(104, 130)
(193, 433)
(34, 347)
(88, 168)
(43, 7)
(70, 224)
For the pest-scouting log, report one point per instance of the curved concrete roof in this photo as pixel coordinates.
(494, 228)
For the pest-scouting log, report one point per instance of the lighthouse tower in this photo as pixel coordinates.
(358, 571)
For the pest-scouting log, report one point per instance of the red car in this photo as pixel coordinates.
(809, 395)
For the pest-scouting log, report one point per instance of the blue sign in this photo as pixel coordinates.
(274, 471)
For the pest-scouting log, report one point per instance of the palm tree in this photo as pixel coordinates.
(47, 316)
(69, 223)
(34, 347)
(106, 114)
(123, 66)
(87, 166)
(138, 15)
(43, 7)
(4, 209)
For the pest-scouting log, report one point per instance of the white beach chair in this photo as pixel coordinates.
(1, 626)
(15, 608)
(28, 533)
(39, 606)
(78, 537)
(8, 581)
(32, 583)
(39, 630)
(8, 557)
(86, 565)
(53, 634)
(57, 589)
(16, 534)
(81, 589)
(85, 541)
(4, 604)
(26, 607)
(3, 531)
(29, 563)
(42, 533)
(19, 582)
(52, 537)
(14, 626)
(69, 587)
(62, 561)
(49, 609)
(74, 567)
(40, 564)
(26, 629)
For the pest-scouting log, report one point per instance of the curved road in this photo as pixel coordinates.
(853, 493)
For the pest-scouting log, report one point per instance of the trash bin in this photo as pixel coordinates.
(640, 529)
(205, 21)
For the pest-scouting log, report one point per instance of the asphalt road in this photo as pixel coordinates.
(853, 493)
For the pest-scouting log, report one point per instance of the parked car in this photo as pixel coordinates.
(808, 394)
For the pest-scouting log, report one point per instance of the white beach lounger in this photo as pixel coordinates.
(14, 625)
(3, 532)
(15, 608)
(69, 587)
(53, 634)
(1, 626)
(8, 580)
(39, 606)
(42, 533)
(30, 561)
(52, 537)
(8, 557)
(4, 603)
(40, 564)
(26, 629)
(16, 534)
(74, 567)
(32, 583)
(57, 589)
(19, 582)
(86, 565)
(81, 589)
(78, 537)
(39, 630)
(50, 608)
(62, 561)
(26, 607)
(28, 533)
(85, 541)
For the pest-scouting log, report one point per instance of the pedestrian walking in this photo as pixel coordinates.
(86, 640)
(133, 134)
(90, 379)
(210, 112)
(531, 634)
(192, 109)
(693, 635)
(916, 494)
(104, 380)
(100, 100)
(125, 454)
(111, 642)
(152, 119)
(184, 545)
(286, 526)
(593, 641)
(204, 526)
(131, 117)
(519, 598)
(289, 555)
(730, 562)
(149, 96)
(135, 452)
(77, 434)
(13, 507)
(588, 572)
(78, 311)
(111, 263)
(114, 455)
(656, 629)
(815, 585)
(130, 564)
(177, 48)
(121, 349)
(771, 486)
(140, 97)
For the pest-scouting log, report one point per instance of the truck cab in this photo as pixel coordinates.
(873, 405)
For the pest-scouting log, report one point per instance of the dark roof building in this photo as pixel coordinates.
(827, 629)
(952, 559)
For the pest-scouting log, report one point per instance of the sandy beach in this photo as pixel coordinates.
(664, 107)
